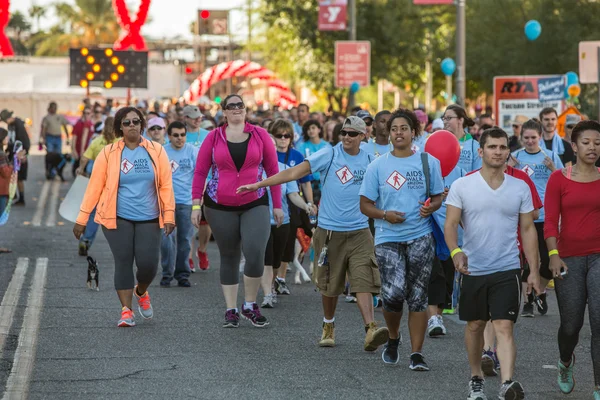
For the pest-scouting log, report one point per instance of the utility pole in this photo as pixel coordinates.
(461, 45)
(352, 30)
(249, 30)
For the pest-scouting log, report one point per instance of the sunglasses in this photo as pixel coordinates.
(369, 123)
(349, 133)
(129, 122)
(178, 135)
(516, 126)
(235, 106)
(570, 126)
(286, 136)
(155, 128)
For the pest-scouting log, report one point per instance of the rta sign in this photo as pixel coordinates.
(518, 87)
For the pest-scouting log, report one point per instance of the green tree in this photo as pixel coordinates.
(19, 25)
(87, 23)
(36, 12)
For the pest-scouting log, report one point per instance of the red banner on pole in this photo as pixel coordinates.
(352, 63)
(332, 15)
(421, 2)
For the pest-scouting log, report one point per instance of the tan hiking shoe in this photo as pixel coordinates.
(328, 336)
(375, 336)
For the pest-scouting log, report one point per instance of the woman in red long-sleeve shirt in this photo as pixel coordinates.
(572, 233)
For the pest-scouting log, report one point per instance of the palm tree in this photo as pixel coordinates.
(88, 23)
(37, 12)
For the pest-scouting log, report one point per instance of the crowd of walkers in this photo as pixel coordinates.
(371, 210)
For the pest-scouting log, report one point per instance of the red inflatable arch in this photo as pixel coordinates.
(246, 69)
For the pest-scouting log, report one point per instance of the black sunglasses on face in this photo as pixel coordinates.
(349, 133)
(235, 106)
(129, 122)
(285, 136)
(178, 135)
(156, 128)
(369, 123)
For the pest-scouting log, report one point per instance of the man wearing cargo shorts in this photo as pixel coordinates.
(342, 229)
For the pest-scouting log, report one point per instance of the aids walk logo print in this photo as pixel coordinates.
(344, 175)
(528, 170)
(396, 180)
(126, 166)
(174, 166)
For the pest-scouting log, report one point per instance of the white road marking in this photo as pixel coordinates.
(11, 298)
(17, 386)
(549, 367)
(41, 205)
(53, 205)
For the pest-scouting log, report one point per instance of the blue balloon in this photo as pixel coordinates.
(448, 66)
(354, 87)
(572, 78)
(533, 29)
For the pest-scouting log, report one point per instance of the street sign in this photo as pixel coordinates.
(332, 15)
(526, 96)
(108, 68)
(352, 63)
(588, 62)
(430, 2)
(213, 22)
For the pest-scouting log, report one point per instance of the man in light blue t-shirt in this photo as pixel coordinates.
(175, 249)
(343, 243)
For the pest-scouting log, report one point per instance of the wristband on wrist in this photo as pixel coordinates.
(384, 215)
(196, 207)
(455, 252)
(552, 252)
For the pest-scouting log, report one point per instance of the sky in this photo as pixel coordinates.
(167, 21)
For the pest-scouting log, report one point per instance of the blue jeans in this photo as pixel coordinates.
(53, 144)
(90, 230)
(175, 248)
(4, 203)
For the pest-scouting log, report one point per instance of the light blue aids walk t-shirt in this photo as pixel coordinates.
(418, 145)
(137, 199)
(196, 138)
(469, 156)
(374, 149)
(398, 184)
(440, 215)
(309, 148)
(287, 188)
(533, 165)
(341, 177)
(183, 164)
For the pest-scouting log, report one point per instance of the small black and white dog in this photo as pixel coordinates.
(92, 278)
(55, 163)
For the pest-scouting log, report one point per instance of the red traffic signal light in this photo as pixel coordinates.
(205, 14)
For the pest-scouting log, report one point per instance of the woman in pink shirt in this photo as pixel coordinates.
(237, 154)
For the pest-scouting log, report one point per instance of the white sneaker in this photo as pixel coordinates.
(267, 301)
(434, 328)
(441, 322)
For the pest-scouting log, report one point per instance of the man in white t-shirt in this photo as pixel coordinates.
(491, 205)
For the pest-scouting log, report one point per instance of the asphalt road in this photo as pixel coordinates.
(60, 340)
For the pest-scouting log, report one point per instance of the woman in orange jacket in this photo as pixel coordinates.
(132, 189)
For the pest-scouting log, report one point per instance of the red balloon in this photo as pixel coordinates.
(444, 146)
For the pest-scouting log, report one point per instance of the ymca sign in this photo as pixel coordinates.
(332, 15)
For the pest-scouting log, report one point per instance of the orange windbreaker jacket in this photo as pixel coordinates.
(104, 185)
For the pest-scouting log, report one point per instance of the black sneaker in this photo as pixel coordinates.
(83, 248)
(165, 282)
(281, 287)
(542, 304)
(476, 389)
(511, 390)
(390, 354)
(417, 362)
(232, 319)
(527, 310)
(254, 316)
(184, 283)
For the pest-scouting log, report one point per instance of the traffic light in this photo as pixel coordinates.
(108, 68)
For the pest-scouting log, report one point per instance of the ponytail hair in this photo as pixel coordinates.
(532, 124)
(461, 113)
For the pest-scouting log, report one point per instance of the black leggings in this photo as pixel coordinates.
(276, 245)
(580, 285)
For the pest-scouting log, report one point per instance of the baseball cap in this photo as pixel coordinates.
(437, 124)
(5, 115)
(364, 114)
(192, 112)
(421, 116)
(156, 121)
(572, 119)
(355, 123)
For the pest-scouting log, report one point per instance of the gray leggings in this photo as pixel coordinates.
(581, 285)
(236, 230)
(139, 241)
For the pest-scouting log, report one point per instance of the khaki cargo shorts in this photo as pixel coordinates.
(349, 253)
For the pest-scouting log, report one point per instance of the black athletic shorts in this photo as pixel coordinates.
(276, 245)
(544, 257)
(494, 296)
(22, 174)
